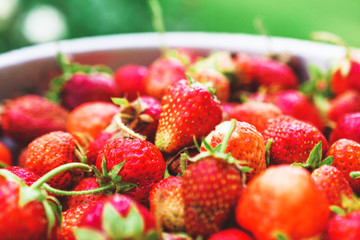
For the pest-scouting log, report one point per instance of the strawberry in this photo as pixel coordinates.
(332, 182)
(50, 151)
(28, 117)
(24, 174)
(344, 227)
(5, 155)
(256, 113)
(231, 234)
(167, 203)
(188, 110)
(345, 76)
(297, 105)
(144, 165)
(292, 139)
(185, 55)
(130, 80)
(117, 217)
(348, 126)
(71, 220)
(283, 201)
(346, 102)
(346, 155)
(245, 143)
(89, 119)
(162, 73)
(96, 145)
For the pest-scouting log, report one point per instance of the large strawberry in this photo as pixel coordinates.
(283, 201)
(292, 139)
(28, 117)
(188, 110)
(245, 143)
(143, 164)
(27, 176)
(347, 126)
(117, 217)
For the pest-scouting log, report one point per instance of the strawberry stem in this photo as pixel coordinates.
(158, 22)
(332, 38)
(75, 193)
(46, 177)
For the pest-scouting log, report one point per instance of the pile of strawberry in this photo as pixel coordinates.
(224, 146)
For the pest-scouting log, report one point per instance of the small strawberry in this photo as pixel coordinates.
(245, 143)
(28, 117)
(130, 80)
(346, 155)
(117, 217)
(5, 155)
(346, 102)
(231, 234)
(283, 201)
(50, 151)
(162, 73)
(292, 139)
(348, 126)
(167, 203)
(187, 110)
(144, 165)
(345, 76)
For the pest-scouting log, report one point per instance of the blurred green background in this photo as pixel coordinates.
(26, 22)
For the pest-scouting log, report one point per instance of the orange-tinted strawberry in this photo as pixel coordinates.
(188, 110)
(231, 234)
(283, 200)
(348, 126)
(167, 203)
(30, 116)
(144, 165)
(345, 76)
(346, 155)
(162, 73)
(89, 119)
(50, 151)
(245, 143)
(293, 140)
(346, 102)
(5, 155)
(332, 182)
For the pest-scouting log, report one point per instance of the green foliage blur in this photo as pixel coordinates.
(82, 18)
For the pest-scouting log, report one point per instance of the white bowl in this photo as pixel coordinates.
(30, 68)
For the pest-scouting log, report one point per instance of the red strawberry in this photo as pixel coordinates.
(117, 217)
(348, 126)
(144, 165)
(245, 143)
(71, 220)
(346, 102)
(130, 80)
(346, 155)
(167, 203)
(332, 182)
(231, 234)
(345, 76)
(283, 200)
(255, 113)
(162, 73)
(50, 151)
(84, 184)
(5, 155)
(96, 145)
(297, 105)
(293, 140)
(187, 110)
(344, 227)
(24, 174)
(30, 116)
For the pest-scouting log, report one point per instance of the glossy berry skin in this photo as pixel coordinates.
(29, 177)
(166, 200)
(50, 151)
(130, 80)
(231, 234)
(186, 111)
(245, 144)
(333, 183)
(293, 140)
(346, 155)
(211, 188)
(81, 88)
(283, 199)
(346, 102)
(162, 73)
(348, 126)
(19, 223)
(144, 164)
(344, 227)
(82, 185)
(344, 80)
(30, 116)
(95, 147)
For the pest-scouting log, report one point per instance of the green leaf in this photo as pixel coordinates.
(87, 234)
(267, 151)
(196, 143)
(96, 171)
(315, 155)
(151, 235)
(166, 174)
(338, 210)
(114, 173)
(56, 208)
(207, 146)
(281, 236)
(28, 194)
(103, 167)
(50, 215)
(354, 174)
(245, 169)
(125, 186)
(327, 161)
(120, 101)
(119, 227)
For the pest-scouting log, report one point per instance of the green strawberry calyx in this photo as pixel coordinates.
(348, 205)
